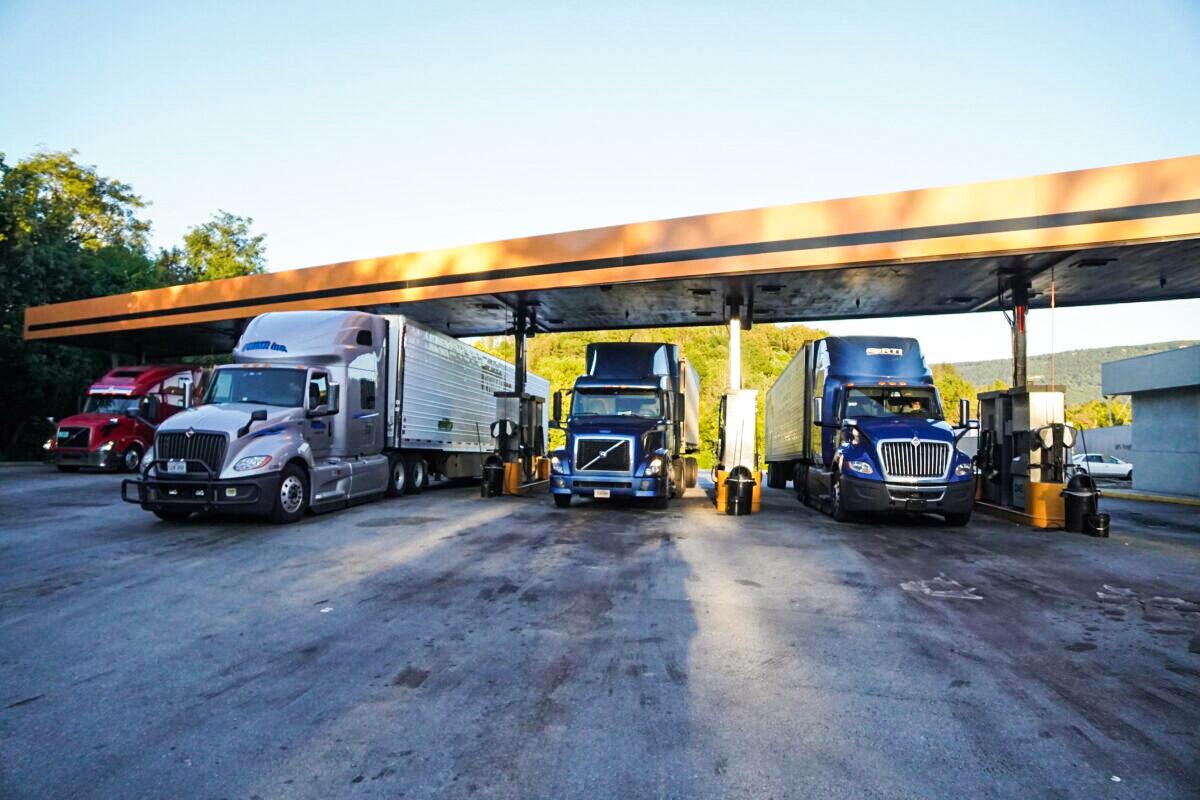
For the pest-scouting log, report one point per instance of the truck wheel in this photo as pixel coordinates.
(397, 476)
(66, 468)
(776, 478)
(663, 502)
(172, 514)
(800, 483)
(132, 458)
(691, 469)
(837, 508)
(417, 474)
(291, 500)
(562, 500)
(958, 519)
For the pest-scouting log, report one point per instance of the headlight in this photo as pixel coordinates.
(559, 465)
(963, 470)
(861, 467)
(49, 443)
(104, 448)
(251, 462)
(655, 466)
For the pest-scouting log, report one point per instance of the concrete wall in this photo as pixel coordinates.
(1115, 441)
(1170, 369)
(1166, 441)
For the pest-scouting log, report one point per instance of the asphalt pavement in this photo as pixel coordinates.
(444, 645)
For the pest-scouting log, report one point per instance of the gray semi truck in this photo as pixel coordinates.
(634, 423)
(321, 409)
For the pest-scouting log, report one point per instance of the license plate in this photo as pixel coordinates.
(914, 505)
(601, 493)
(176, 466)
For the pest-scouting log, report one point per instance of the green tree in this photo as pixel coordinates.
(952, 386)
(223, 247)
(66, 232)
(1100, 413)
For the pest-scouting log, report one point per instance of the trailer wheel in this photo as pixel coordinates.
(291, 500)
(397, 476)
(418, 474)
(776, 477)
(172, 514)
(132, 458)
(691, 470)
(562, 500)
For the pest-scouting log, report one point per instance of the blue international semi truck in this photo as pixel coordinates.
(856, 423)
(633, 424)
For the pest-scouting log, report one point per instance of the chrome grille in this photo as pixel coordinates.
(208, 448)
(901, 459)
(602, 455)
(75, 437)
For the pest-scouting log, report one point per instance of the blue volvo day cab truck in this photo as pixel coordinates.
(857, 424)
(634, 421)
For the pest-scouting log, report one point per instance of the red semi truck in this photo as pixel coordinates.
(122, 409)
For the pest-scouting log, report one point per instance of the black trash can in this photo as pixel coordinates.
(493, 480)
(1097, 525)
(1080, 500)
(739, 492)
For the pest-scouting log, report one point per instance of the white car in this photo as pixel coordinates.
(1102, 466)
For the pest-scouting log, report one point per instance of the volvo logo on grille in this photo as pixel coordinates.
(190, 432)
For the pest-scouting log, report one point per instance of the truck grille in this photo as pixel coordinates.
(75, 437)
(925, 460)
(208, 448)
(588, 455)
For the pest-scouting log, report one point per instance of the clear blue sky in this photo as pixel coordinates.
(362, 129)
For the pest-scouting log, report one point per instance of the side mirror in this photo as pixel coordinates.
(816, 410)
(258, 415)
(972, 424)
(964, 412)
(335, 398)
(187, 392)
(556, 416)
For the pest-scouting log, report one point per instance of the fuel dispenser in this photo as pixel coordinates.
(518, 463)
(1022, 456)
(738, 479)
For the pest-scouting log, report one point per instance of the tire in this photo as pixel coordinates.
(691, 470)
(562, 500)
(172, 514)
(958, 519)
(66, 468)
(776, 477)
(800, 483)
(417, 477)
(131, 460)
(397, 476)
(837, 509)
(662, 503)
(291, 499)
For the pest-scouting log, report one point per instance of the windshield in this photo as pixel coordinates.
(617, 403)
(109, 404)
(267, 387)
(886, 401)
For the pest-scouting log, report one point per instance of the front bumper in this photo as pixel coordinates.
(250, 495)
(956, 497)
(100, 459)
(616, 485)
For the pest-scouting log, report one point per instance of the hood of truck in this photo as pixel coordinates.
(90, 420)
(880, 428)
(228, 418)
(617, 426)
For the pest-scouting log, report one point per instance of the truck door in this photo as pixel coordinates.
(318, 430)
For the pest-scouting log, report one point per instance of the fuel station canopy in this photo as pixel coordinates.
(1118, 234)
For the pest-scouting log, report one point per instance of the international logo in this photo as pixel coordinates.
(190, 432)
(915, 441)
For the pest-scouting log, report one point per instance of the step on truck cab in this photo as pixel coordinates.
(856, 423)
(634, 420)
(120, 413)
(321, 409)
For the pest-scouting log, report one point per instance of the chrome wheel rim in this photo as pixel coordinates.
(132, 459)
(398, 476)
(291, 494)
(419, 473)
